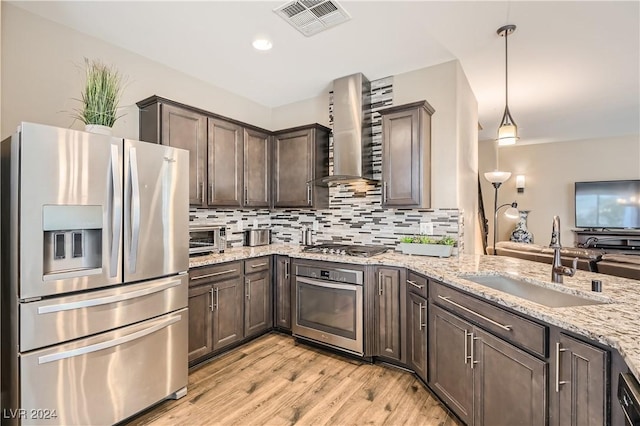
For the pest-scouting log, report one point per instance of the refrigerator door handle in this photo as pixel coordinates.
(109, 343)
(116, 231)
(47, 309)
(135, 210)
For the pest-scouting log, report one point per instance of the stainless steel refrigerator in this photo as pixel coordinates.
(94, 259)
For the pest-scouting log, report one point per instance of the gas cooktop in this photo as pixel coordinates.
(346, 249)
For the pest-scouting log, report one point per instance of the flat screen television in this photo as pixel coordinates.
(608, 204)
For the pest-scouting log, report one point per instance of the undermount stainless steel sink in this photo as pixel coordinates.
(532, 292)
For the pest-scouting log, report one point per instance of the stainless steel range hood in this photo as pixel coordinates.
(352, 150)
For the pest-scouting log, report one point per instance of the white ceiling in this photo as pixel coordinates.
(574, 67)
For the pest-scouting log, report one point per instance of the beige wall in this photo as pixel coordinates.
(41, 77)
(454, 136)
(314, 110)
(551, 170)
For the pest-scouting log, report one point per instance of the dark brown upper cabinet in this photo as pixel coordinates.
(225, 150)
(301, 155)
(179, 127)
(406, 155)
(234, 164)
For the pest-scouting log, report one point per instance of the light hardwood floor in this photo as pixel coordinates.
(273, 381)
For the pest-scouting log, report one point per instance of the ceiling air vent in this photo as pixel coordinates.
(312, 16)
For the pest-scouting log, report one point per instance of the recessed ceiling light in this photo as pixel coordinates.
(262, 44)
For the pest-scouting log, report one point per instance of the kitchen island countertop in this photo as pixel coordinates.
(615, 324)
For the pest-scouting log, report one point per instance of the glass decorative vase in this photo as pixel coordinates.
(521, 234)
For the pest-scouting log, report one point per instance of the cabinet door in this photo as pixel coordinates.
(293, 160)
(406, 155)
(225, 153)
(580, 383)
(257, 182)
(257, 308)
(450, 373)
(186, 129)
(510, 385)
(200, 321)
(400, 171)
(417, 334)
(389, 313)
(283, 293)
(228, 306)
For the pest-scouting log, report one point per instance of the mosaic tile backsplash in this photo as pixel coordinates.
(355, 214)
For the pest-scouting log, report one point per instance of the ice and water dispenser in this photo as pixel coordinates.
(72, 239)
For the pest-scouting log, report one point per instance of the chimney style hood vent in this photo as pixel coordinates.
(352, 150)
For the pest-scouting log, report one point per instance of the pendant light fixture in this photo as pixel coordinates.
(508, 131)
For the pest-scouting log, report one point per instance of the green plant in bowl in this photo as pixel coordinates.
(100, 95)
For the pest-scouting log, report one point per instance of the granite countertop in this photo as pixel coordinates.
(615, 324)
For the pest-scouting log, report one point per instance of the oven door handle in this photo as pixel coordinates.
(326, 284)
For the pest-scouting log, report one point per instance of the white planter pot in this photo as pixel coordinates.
(437, 250)
(98, 128)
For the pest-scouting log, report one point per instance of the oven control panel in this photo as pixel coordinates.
(331, 274)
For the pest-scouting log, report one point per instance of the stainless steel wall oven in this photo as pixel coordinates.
(328, 306)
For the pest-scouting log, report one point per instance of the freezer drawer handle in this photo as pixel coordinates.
(107, 300)
(135, 210)
(108, 344)
(117, 211)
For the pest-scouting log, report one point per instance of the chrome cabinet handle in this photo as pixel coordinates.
(248, 289)
(246, 195)
(135, 210)
(380, 283)
(217, 297)
(415, 285)
(308, 194)
(108, 344)
(212, 303)
(286, 270)
(420, 325)
(473, 361)
(502, 326)
(259, 265)
(384, 192)
(215, 274)
(466, 346)
(558, 381)
(202, 192)
(117, 210)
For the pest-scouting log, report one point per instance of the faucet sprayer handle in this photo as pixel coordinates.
(571, 271)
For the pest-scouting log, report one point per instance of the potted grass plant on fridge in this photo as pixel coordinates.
(425, 245)
(100, 97)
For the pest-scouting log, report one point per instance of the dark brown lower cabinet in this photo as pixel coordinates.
(450, 375)
(417, 334)
(580, 383)
(257, 306)
(388, 309)
(200, 321)
(283, 293)
(227, 312)
(483, 379)
(510, 385)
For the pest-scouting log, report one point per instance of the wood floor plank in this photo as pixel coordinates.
(275, 381)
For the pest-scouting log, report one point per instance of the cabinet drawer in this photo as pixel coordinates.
(214, 273)
(417, 284)
(256, 265)
(514, 328)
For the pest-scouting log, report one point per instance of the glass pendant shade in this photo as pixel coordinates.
(497, 176)
(512, 213)
(507, 134)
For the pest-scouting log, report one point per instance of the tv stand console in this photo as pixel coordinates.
(619, 240)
